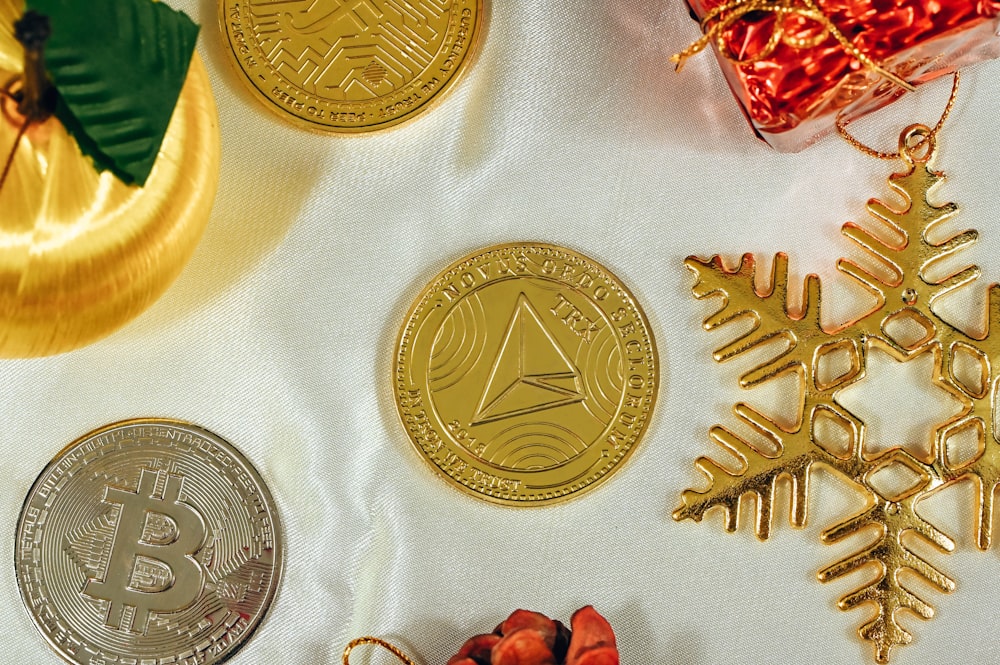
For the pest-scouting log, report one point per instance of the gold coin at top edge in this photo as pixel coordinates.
(350, 67)
(526, 374)
(148, 541)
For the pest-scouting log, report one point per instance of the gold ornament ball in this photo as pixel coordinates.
(81, 253)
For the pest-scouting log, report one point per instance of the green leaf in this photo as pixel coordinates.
(118, 66)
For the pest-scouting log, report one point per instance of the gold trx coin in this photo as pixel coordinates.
(525, 373)
(148, 541)
(351, 66)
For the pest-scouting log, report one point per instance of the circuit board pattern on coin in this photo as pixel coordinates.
(148, 541)
(525, 374)
(351, 65)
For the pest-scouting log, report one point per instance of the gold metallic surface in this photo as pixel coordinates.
(906, 270)
(525, 374)
(81, 253)
(148, 541)
(351, 67)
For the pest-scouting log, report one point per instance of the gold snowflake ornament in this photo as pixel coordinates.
(902, 270)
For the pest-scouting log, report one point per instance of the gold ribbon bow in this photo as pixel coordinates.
(719, 20)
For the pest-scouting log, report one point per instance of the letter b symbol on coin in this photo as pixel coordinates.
(151, 568)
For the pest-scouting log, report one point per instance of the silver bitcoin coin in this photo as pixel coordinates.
(148, 541)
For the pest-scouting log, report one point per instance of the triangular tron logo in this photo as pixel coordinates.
(530, 373)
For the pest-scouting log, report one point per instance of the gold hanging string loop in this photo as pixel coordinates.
(917, 145)
(376, 641)
(918, 142)
(719, 20)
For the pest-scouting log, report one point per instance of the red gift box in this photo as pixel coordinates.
(793, 77)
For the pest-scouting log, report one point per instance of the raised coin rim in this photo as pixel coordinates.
(483, 9)
(398, 350)
(239, 643)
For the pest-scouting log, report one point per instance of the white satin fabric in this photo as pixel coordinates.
(571, 129)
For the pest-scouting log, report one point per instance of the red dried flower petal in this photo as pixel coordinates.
(598, 656)
(590, 631)
(523, 647)
(476, 649)
(534, 620)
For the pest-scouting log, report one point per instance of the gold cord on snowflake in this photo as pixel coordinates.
(923, 142)
(902, 271)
